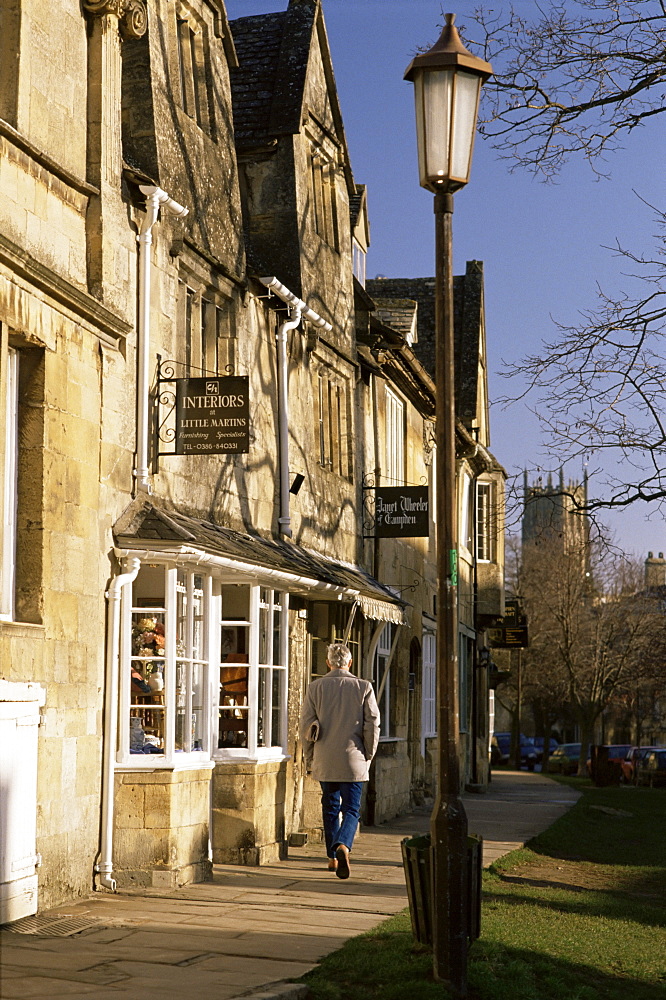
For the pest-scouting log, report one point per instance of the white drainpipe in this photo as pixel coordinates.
(297, 310)
(155, 199)
(284, 520)
(105, 865)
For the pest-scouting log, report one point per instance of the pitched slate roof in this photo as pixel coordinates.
(467, 305)
(400, 314)
(258, 41)
(145, 526)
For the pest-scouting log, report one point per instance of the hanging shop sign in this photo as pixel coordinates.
(510, 631)
(402, 511)
(212, 415)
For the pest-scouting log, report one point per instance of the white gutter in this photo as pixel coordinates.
(189, 554)
(282, 292)
(105, 865)
(155, 198)
(297, 310)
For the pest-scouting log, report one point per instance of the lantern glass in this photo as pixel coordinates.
(465, 105)
(446, 110)
(433, 91)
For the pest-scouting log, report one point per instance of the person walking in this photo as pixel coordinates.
(339, 727)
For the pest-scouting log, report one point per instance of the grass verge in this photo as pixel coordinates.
(578, 914)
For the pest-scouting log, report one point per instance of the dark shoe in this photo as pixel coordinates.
(332, 864)
(342, 855)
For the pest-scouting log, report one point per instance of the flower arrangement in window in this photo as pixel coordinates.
(148, 637)
(148, 641)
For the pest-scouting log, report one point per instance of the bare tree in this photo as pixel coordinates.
(573, 78)
(576, 79)
(593, 629)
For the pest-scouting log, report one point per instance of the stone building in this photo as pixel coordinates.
(409, 304)
(552, 513)
(196, 389)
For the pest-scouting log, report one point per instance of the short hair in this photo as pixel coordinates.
(338, 655)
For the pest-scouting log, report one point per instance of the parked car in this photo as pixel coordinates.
(564, 759)
(616, 753)
(630, 763)
(500, 750)
(538, 746)
(652, 768)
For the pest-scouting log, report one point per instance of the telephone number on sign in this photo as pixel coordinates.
(216, 447)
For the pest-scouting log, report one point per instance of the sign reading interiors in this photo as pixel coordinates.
(212, 415)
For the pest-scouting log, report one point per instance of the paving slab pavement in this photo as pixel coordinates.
(249, 929)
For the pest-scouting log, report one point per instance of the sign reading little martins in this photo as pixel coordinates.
(212, 415)
(401, 511)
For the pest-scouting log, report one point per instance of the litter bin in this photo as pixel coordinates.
(417, 859)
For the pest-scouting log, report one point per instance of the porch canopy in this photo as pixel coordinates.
(153, 533)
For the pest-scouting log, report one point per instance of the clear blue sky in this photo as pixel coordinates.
(542, 245)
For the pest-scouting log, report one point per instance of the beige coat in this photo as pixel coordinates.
(339, 726)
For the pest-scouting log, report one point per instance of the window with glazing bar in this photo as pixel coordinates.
(164, 664)
(394, 464)
(191, 49)
(333, 425)
(252, 704)
(429, 685)
(485, 522)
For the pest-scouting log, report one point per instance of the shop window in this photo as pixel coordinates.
(252, 708)
(429, 684)
(234, 689)
(485, 522)
(382, 681)
(395, 440)
(164, 658)
(333, 426)
(204, 669)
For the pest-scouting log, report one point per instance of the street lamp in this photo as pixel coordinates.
(447, 83)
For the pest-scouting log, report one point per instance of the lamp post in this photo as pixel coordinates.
(447, 84)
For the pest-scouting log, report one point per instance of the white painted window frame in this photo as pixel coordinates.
(210, 662)
(254, 751)
(382, 654)
(485, 522)
(428, 687)
(10, 486)
(394, 469)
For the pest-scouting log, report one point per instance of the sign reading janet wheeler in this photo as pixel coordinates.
(212, 415)
(401, 511)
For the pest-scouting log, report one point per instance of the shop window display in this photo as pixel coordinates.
(253, 671)
(165, 635)
(204, 669)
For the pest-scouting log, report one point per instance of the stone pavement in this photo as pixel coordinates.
(250, 929)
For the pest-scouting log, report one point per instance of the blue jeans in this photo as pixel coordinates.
(340, 797)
